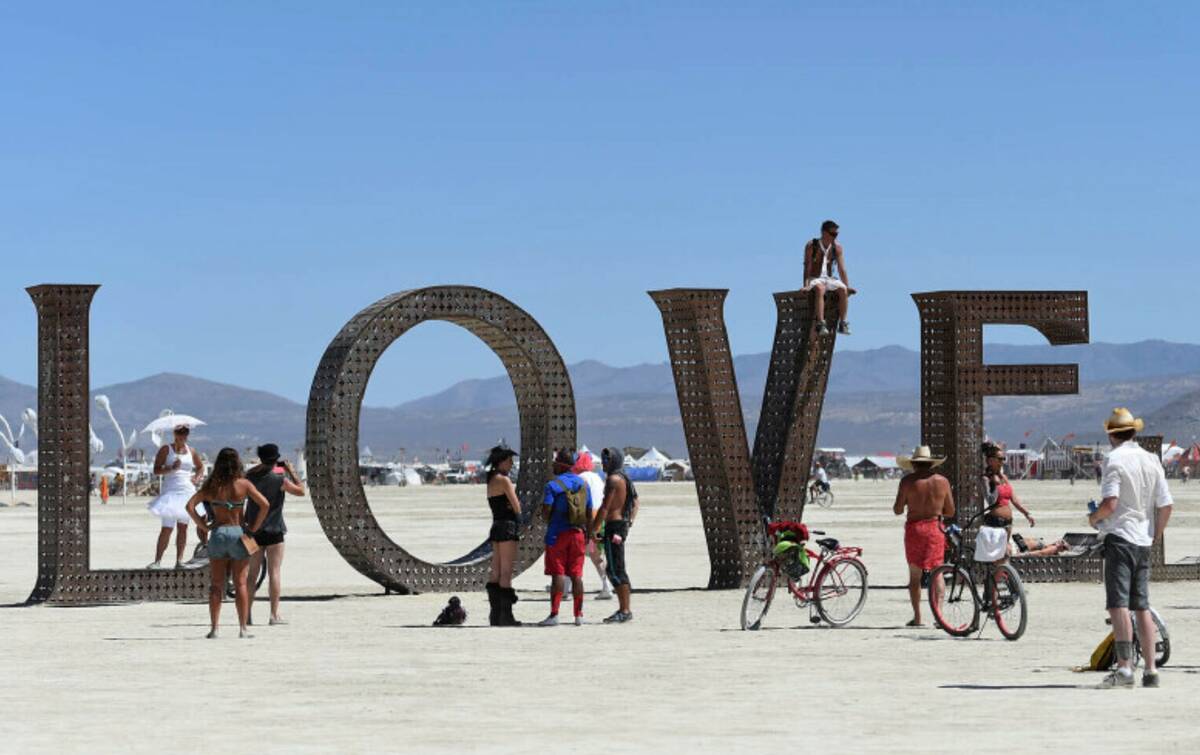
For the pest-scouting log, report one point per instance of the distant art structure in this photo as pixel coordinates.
(738, 490)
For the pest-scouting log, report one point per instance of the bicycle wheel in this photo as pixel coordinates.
(957, 610)
(824, 498)
(759, 593)
(1008, 602)
(1162, 645)
(258, 582)
(1162, 641)
(841, 591)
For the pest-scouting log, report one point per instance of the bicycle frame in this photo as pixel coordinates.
(803, 594)
(982, 601)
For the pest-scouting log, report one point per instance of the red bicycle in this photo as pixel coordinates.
(837, 578)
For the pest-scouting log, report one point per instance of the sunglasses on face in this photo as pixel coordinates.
(182, 431)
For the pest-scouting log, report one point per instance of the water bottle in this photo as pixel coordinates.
(1092, 506)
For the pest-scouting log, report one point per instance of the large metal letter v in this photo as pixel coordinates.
(737, 490)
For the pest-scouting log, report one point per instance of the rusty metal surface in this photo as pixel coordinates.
(736, 490)
(955, 380)
(64, 576)
(545, 404)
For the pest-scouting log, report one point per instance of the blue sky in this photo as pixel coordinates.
(243, 177)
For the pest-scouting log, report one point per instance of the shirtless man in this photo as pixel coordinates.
(819, 276)
(619, 510)
(926, 496)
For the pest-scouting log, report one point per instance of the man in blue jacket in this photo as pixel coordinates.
(567, 506)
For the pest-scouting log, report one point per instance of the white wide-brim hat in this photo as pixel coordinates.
(920, 454)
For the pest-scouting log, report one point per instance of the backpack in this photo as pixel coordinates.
(1104, 656)
(577, 513)
(630, 494)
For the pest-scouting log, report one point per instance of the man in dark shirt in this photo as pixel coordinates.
(274, 478)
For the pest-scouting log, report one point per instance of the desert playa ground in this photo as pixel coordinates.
(357, 671)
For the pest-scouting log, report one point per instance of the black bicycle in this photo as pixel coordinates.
(262, 576)
(956, 601)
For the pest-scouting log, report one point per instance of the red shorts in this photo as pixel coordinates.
(565, 557)
(924, 543)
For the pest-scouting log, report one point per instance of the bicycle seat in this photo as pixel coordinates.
(828, 543)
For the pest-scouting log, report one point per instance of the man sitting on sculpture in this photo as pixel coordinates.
(820, 254)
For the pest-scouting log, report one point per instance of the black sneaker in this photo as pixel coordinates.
(844, 328)
(822, 328)
(1150, 679)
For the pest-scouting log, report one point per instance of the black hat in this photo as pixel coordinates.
(268, 453)
(499, 454)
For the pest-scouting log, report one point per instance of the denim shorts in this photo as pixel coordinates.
(1126, 574)
(226, 542)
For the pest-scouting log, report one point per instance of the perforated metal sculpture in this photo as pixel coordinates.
(64, 574)
(737, 490)
(545, 404)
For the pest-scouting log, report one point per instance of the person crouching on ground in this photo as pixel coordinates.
(585, 467)
(274, 478)
(504, 536)
(567, 506)
(1132, 516)
(926, 496)
(225, 493)
(617, 514)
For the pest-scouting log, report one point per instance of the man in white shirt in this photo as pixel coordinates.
(1132, 516)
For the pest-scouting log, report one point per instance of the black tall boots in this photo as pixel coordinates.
(501, 600)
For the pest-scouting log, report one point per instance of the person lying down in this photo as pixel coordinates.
(1021, 545)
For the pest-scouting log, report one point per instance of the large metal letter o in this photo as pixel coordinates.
(545, 404)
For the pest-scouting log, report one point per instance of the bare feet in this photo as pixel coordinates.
(244, 635)
(276, 620)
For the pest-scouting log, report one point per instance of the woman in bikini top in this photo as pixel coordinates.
(998, 492)
(225, 493)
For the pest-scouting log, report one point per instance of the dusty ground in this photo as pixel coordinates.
(355, 671)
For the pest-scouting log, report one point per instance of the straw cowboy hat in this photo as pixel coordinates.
(920, 454)
(1122, 419)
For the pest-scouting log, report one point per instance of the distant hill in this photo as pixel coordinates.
(872, 404)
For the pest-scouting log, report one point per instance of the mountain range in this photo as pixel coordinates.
(872, 404)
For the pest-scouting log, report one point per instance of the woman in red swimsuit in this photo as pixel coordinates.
(998, 492)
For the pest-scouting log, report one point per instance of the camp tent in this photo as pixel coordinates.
(653, 457)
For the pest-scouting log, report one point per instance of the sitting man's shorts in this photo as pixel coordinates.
(565, 557)
(830, 284)
(1126, 574)
(924, 543)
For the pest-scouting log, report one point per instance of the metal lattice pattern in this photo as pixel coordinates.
(735, 490)
(63, 517)
(954, 382)
(545, 404)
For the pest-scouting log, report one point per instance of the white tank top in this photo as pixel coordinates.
(827, 260)
(179, 480)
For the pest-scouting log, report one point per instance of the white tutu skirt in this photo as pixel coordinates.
(172, 505)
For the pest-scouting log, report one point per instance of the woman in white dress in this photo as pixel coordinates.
(181, 468)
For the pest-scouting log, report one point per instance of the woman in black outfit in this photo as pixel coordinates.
(504, 536)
